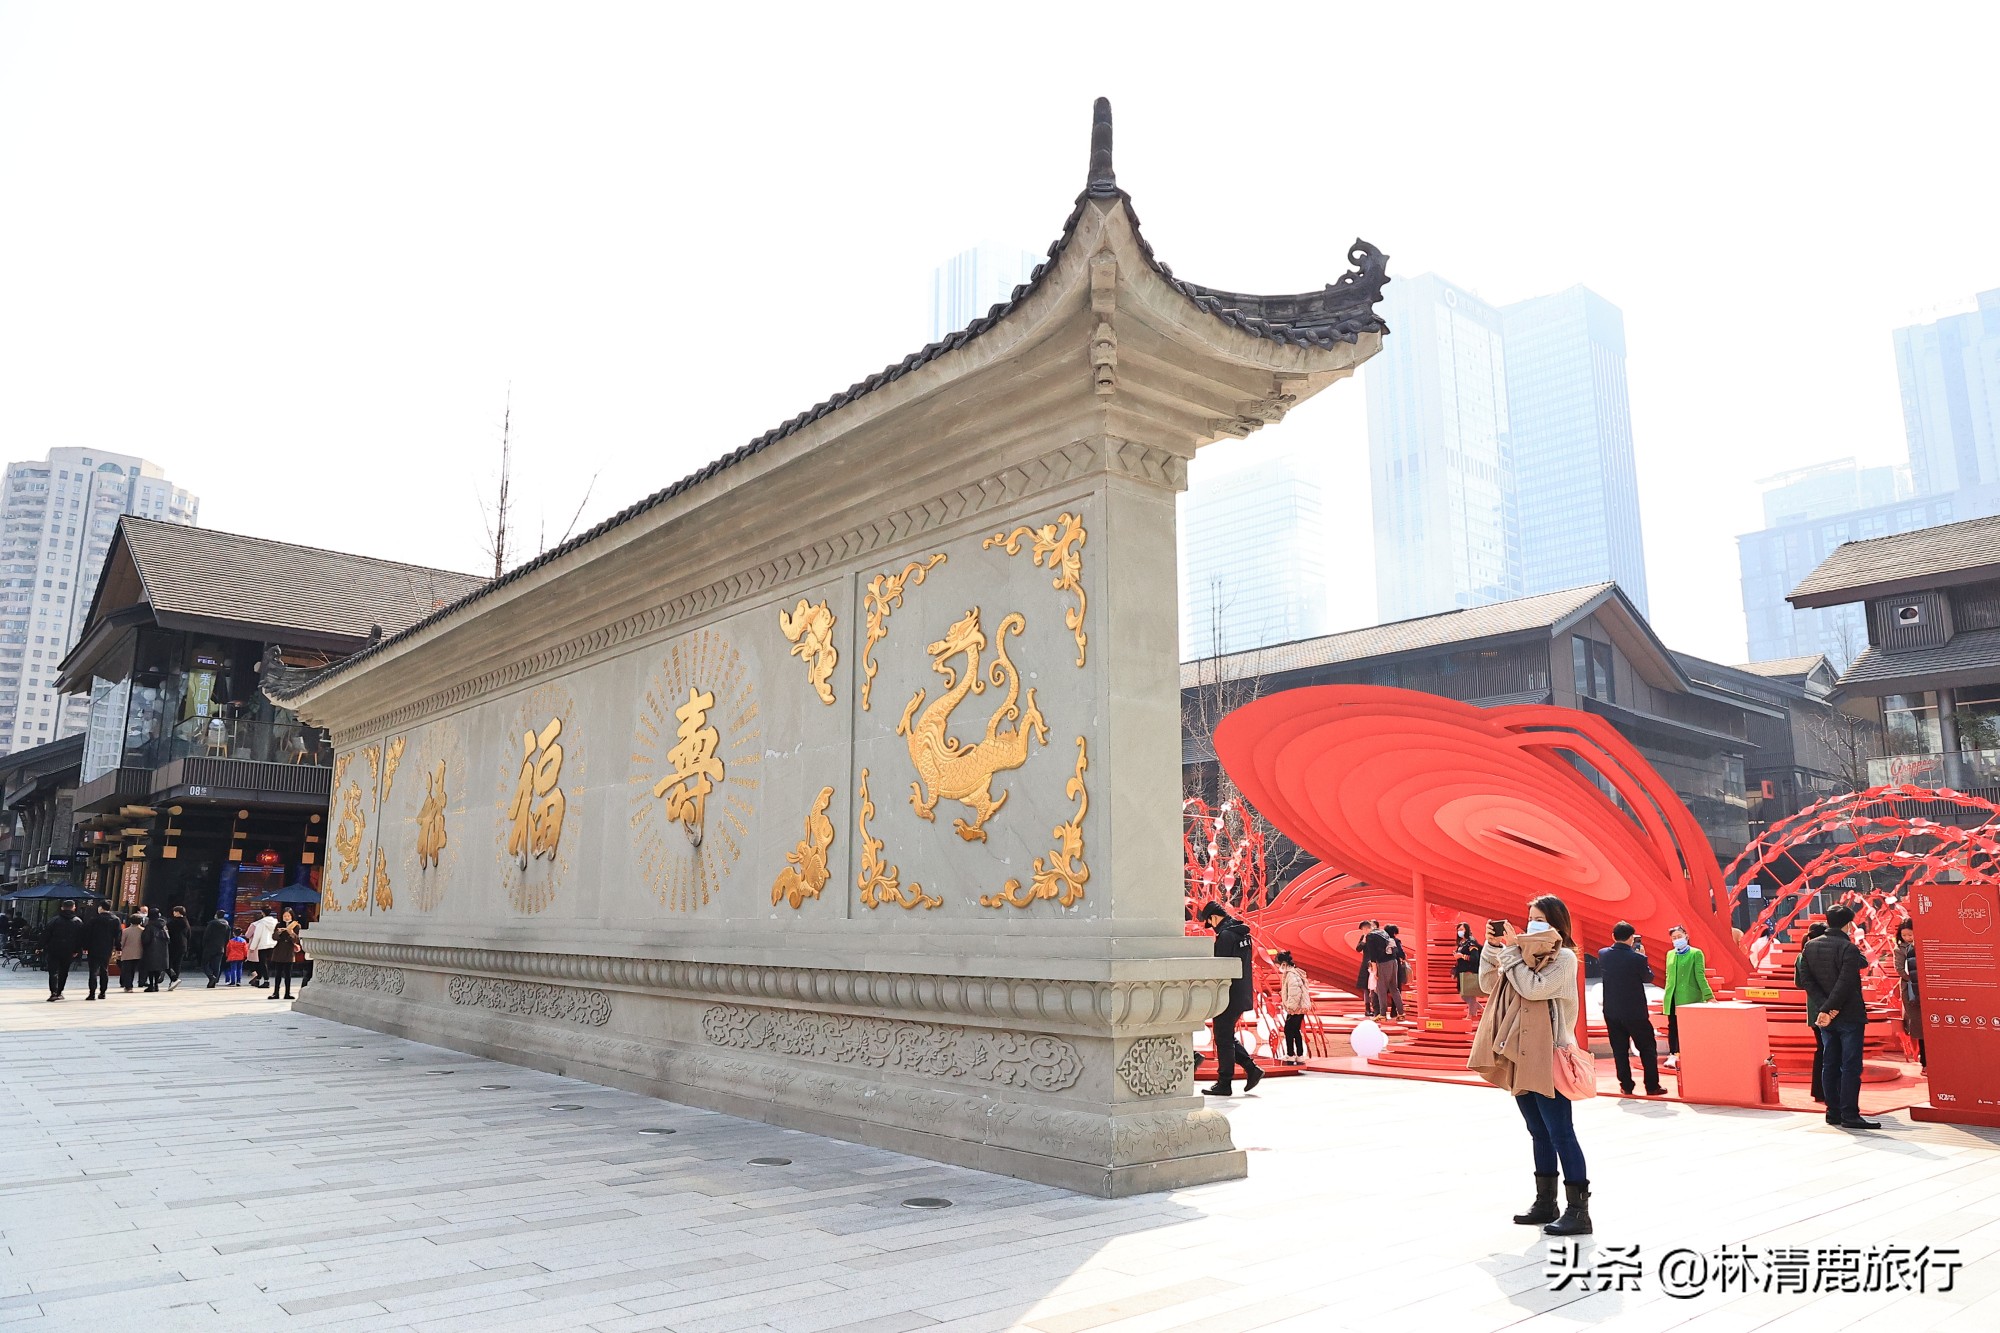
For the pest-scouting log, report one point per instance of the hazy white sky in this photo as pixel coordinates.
(297, 253)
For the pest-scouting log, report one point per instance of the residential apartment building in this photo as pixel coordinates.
(57, 523)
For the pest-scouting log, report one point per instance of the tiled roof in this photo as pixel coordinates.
(1974, 651)
(1855, 569)
(1780, 667)
(1495, 620)
(209, 575)
(1341, 312)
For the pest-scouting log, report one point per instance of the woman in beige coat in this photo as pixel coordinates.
(131, 950)
(1531, 978)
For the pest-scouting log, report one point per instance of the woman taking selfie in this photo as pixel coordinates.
(1526, 1043)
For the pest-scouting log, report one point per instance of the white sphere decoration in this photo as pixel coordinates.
(1369, 1040)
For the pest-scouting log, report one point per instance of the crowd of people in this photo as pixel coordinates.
(1521, 987)
(151, 946)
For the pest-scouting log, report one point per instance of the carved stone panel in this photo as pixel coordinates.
(586, 1008)
(360, 976)
(935, 1050)
(1156, 1066)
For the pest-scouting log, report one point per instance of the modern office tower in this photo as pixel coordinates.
(972, 282)
(1825, 489)
(1254, 560)
(1809, 512)
(1570, 425)
(1447, 532)
(59, 517)
(1950, 376)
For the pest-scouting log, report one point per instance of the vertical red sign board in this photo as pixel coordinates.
(1958, 981)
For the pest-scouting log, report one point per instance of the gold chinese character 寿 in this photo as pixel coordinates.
(697, 765)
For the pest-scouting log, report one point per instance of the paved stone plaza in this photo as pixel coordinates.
(207, 1159)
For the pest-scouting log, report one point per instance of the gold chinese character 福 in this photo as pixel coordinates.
(430, 819)
(697, 767)
(536, 831)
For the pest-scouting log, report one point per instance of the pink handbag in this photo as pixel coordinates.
(1576, 1073)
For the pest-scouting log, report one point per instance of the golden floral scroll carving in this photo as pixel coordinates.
(395, 757)
(384, 897)
(1058, 547)
(809, 629)
(881, 883)
(807, 872)
(885, 594)
(1063, 872)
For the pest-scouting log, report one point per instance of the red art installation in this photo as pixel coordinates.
(1481, 809)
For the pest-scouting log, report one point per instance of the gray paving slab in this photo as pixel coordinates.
(207, 1162)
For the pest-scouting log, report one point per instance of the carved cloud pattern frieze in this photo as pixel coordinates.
(934, 1050)
(586, 1008)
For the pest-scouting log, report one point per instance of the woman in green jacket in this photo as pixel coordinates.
(1687, 983)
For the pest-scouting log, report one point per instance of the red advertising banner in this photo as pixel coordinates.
(1958, 984)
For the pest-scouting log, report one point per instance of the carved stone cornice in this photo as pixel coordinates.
(1072, 462)
(1087, 1007)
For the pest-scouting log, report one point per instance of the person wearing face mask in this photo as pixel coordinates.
(1526, 1044)
(1687, 983)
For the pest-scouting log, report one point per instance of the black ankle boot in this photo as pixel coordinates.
(1575, 1220)
(1544, 1209)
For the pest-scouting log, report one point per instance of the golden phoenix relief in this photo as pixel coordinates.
(695, 753)
(542, 762)
(949, 769)
(806, 871)
(809, 629)
(1058, 547)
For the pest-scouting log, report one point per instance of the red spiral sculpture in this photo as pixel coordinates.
(1488, 807)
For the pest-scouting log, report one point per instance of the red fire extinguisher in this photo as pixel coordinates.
(1767, 1082)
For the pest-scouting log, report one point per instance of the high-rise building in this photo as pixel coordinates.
(972, 282)
(1809, 512)
(1949, 373)
(1447, 531)
(1950, 376)
(1253, 559)
(58, 521)
(1569, 421)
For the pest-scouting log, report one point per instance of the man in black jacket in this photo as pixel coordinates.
(60, 943)
(215, 947)
(1361, 986)
(1832, 974)
(1232, 940)
(1627, 1019)
(101, 935)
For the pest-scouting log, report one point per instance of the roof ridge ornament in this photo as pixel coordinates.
(1103, 180)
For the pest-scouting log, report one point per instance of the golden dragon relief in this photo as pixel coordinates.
(949, 768)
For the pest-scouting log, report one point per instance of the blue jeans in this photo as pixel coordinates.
(1554, 1135)
(1840, 1069)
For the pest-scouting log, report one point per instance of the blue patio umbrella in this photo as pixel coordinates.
(291, 893)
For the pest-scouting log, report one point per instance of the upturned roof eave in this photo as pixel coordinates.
(1341, 315)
